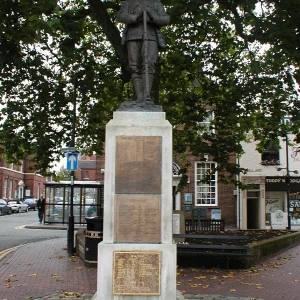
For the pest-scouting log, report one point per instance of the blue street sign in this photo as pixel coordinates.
(72, 161)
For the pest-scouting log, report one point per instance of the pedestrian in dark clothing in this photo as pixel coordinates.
(41, 207)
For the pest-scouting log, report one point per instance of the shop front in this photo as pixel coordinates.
(277, 195)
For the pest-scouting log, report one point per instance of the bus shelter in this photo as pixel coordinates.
(88, 201)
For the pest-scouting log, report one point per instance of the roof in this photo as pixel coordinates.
(87, 164)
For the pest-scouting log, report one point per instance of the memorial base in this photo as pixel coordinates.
(137, 257)
(136, 272)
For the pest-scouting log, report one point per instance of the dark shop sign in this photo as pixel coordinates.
(278, 183)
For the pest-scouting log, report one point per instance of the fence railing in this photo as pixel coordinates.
(204, 225)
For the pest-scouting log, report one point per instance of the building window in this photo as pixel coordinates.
(86, 175)
(206, 124)
(38, 192)
(10, 188)
(206, 184)
(5, 188)
(270, 156)
(16, 192)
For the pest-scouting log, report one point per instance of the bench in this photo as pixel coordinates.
(212, 249)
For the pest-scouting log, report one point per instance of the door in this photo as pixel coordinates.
(253, 209)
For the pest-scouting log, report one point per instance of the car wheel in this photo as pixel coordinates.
(10, 212)
(0, 212)
(19, 210)
(34, 209)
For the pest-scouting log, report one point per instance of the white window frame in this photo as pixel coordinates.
(86, 173)
(10, 188)
(206, 194)
(38, 191)
(5, 188)
(16, 191)
(206, 123)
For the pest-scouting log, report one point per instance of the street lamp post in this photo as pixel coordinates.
(287, 180)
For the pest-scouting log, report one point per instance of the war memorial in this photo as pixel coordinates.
(137, 257)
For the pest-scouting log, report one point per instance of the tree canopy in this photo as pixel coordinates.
(238, 58)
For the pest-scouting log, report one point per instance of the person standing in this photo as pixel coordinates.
(41, 207)
(131, 13)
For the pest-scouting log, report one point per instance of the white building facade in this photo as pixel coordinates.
(268, 192)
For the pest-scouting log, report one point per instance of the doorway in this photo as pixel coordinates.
(253, 209)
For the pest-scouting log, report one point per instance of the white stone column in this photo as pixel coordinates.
(137, 258)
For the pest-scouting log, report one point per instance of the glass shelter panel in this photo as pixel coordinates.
(87, 202)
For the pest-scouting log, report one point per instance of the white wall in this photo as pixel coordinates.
(251, 160)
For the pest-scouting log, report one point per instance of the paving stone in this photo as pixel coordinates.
(44, 271)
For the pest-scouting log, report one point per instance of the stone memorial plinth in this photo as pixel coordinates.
(137, 257)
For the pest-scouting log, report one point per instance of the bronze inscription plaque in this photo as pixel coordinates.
(136, 273)
(138, 164)
(137, 218)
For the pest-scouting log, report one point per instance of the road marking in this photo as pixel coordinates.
(7, 251)
(20, 227)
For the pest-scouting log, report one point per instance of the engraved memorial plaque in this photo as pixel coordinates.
(137, 218)
(138, 164)
(136, 273)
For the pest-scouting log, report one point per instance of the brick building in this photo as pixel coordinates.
(86, 168)
(18, 181)
(205, 197)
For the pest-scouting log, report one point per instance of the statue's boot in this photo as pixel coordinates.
(138, 88)
(151, 77)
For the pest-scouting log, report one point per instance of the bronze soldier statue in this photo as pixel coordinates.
(143, 19)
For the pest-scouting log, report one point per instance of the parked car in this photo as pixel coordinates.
(31, 202)
(4, 208)
(18, 206)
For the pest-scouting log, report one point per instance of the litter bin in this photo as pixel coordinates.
(93, 236)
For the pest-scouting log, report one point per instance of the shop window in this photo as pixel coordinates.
(274, 202)
(295, 208)
(85, 175)
(270, 156)
(206, 184)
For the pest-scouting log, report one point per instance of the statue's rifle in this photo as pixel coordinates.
(145, 42)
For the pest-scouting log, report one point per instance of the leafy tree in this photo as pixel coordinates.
(62, 175)
(238, 58)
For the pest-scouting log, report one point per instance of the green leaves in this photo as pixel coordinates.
(238, 60)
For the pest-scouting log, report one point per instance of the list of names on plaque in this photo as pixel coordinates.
(137, 218)
(138, 164)
(136, 273)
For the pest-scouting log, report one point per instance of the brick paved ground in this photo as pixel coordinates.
(276, 279)
(44, 268)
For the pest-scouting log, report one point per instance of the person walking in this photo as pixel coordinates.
(41, 207)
